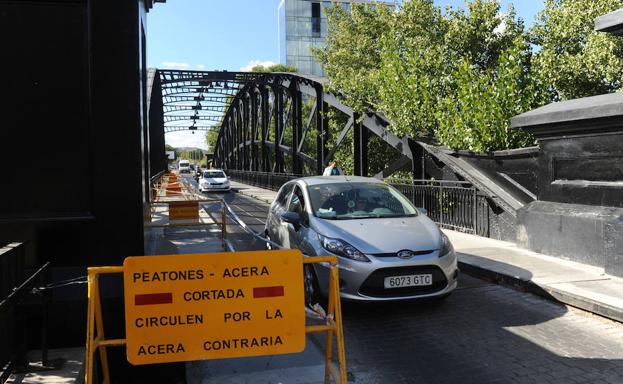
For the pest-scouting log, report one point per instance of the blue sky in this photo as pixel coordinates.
(232, 35)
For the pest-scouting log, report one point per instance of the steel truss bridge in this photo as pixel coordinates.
(272, 122)
(283, 123)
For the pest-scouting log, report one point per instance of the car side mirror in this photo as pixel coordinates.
(293, 218)
(423, 211)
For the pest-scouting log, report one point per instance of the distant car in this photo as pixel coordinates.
(184, 166)
(387, 249)
(213, 180)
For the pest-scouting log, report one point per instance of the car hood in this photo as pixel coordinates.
(383, 235)
(214, 179)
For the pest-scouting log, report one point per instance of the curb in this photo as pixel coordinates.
(251, 195)
(547, 292)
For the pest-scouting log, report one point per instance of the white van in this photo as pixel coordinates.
(184, 166)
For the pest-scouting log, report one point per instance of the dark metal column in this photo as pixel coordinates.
(232, 140)
(360, 141)
(228, 144)
(417, 162)
(245, 132)
(278, 128)
(254, 116)
(265, 127)
(322, 129)
(234, 137)
(297, 128)
(239, 127)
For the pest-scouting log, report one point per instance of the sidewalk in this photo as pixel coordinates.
(579, 285)
(70, 371)
(575, 284)
(303, 368)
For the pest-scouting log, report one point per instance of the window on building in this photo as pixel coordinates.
(315, 19)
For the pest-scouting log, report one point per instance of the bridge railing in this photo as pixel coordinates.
(16, 284)
(266, 180)
(451, 204)
(454, 205)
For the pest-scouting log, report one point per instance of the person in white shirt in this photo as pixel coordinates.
(332, 170)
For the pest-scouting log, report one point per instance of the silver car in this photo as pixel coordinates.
(388, 250)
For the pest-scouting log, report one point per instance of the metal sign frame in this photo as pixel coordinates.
(96, 340)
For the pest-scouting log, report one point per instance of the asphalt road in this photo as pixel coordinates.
(482, 333)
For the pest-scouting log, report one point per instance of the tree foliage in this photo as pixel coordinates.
(275, 68)
(211, 138)
(352, 57)
(458, 75)
(477, 116)
(576, 60)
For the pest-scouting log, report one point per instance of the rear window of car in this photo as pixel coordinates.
(215, 174)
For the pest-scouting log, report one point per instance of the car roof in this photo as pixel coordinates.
(318, 180)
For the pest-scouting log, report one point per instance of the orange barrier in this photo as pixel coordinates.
(97, 343)
(173, 189)
(187, 210)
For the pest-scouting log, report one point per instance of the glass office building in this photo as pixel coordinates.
(302, 26)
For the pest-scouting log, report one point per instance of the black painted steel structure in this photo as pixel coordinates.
(196, 100)
(270, 120)
(265, 119)
(279, 124)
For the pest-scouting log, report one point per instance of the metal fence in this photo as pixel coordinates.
(266, 180)
(15, 285)
(11, 275)
(451, 204)
(454, 205)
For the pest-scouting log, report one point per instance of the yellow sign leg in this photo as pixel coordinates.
(341, 352)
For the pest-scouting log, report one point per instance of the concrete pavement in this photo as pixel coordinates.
(571, 283)
(579, 285)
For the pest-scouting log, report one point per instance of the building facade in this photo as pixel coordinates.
(302, 26)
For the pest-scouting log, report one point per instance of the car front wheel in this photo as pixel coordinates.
(312, 290)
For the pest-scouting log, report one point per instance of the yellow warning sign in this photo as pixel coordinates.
(184, 210)
(211, 306)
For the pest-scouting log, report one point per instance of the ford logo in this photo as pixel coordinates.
(405, 254)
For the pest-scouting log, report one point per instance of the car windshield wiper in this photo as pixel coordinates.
(357, 217)
(399, 215)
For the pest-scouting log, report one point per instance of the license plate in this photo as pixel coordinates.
(408, 281)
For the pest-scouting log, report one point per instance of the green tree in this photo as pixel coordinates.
(477, 116)
(412, 65)
(414, 68)
(352, 56)
(275, 68)
(573, 58)
(211, 138)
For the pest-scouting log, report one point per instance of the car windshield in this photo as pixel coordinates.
(346, 201)
(213, 174)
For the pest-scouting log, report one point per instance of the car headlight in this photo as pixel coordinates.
(446, 245)
(342, 248)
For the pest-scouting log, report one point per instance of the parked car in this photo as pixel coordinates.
(214, 180)
(184, 166)
(387, 249)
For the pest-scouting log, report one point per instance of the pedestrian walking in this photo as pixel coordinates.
(332, 170)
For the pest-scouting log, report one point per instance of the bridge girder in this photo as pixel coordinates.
(256, 113)
(262, 125)
(257, 148)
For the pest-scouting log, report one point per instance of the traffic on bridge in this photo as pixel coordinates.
(390, 203)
